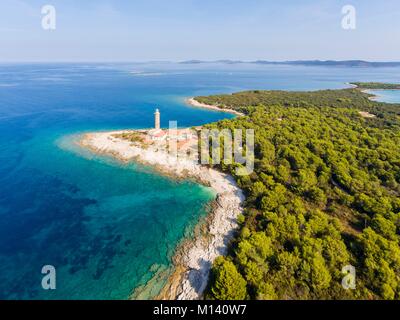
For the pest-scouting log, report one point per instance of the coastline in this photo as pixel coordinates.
(195, 103)
(194, 257)
(372, 95)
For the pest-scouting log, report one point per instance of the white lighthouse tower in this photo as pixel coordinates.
(157, 134)
(157, 120)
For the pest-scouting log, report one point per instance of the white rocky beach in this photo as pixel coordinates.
(194, 259)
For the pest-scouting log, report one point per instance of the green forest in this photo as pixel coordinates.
(324, 194)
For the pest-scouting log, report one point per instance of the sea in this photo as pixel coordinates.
(109, 229)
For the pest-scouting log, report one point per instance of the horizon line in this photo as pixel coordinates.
(231, 60)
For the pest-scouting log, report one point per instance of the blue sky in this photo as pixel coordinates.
(142, 30)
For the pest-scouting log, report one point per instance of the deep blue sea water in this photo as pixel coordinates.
(109, 227)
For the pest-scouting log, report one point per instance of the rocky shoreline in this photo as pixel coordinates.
(194, 257)
(195, 103)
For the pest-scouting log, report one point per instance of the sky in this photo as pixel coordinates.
(176, 30)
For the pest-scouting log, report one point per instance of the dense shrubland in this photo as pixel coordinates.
(324, 194)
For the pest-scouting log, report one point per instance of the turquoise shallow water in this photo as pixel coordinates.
(390, 96)
(108, 227)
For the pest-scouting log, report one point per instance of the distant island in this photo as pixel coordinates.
(327, 63)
